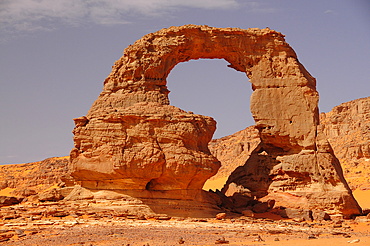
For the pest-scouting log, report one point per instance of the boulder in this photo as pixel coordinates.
(291, 213)
(79, 193)
(221, 216)
(248, 213)
(9, 200)
(318, 215)
(51, 195)
(260, 207)
(240, 200)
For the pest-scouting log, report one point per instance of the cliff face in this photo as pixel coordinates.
(31, 178)
(347, 127)
(232, 151)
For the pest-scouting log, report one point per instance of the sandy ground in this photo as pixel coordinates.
(6, 192)
(237, 231)
(363, 198)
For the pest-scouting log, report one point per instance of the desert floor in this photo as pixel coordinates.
(189, 231)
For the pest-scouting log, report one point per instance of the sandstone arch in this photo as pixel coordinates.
(132, 139)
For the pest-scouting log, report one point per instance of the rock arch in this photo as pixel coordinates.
(132, 139)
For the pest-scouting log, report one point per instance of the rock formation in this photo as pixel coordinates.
(232, 151)
(132, 139)
(347, 127)
(27, 179)
(147, 146)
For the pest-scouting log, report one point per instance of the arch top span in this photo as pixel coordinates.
(151, 58)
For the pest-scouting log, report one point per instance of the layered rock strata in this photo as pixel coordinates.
(347, 127)
(232, 151)
(27, 179)
(131, 138)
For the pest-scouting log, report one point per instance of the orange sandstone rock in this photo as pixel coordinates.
(132, 139)
(30, 178)
(347, 127)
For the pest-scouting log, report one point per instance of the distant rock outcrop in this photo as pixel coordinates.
(232, 151)
(30, 178)
(347, 127)
(131, 138)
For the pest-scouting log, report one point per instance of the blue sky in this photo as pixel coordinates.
(55, 55)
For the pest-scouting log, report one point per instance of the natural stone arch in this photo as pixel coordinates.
(270, 63)
(132, 139)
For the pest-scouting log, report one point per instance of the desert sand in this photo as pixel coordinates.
(190, 231)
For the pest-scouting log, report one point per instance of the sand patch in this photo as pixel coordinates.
(215, 184)
(362, 197)
(7, 192)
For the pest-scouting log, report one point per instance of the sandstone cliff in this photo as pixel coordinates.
(232, 151)
(347, 127)
(31, 178)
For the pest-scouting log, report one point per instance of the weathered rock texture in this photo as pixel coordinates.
(232, 151)
(30, 178)
(347, 127)
(146, 146)
(132, 139)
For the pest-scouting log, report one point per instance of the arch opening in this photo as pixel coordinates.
(208, 87)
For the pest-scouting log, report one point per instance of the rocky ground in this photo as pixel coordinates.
(46, 224)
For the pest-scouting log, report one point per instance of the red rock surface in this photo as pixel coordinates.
(30, 178)
(347, 127)
(232, 151)
(131, 139)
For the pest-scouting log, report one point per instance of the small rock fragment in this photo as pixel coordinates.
(248, 213)
(181, 240)
(258, 239)
(221, 216)
(354, 241)
(221, 241)
(312, 236)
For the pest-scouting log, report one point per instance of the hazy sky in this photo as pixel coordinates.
(55, 55)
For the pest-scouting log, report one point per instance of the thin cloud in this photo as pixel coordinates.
(31, 15)
(329, 11)
(259, 7)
